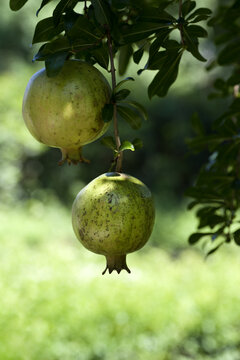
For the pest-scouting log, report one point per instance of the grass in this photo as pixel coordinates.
(56, 305)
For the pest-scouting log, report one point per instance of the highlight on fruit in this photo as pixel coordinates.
(113, 216)
(65, 111)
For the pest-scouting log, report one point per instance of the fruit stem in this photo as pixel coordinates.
(116, 262)
(115, 120)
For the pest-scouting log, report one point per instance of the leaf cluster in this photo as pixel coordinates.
(136, 27)
(216, 192)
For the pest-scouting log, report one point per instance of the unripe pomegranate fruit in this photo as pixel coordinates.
(65, 111)
(113, 215)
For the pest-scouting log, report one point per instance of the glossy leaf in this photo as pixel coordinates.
(45, 30)
(126, 145)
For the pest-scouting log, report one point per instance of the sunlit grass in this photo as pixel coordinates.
(55, 304)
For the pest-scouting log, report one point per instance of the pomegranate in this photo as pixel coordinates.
(65, 111)
(113, 215)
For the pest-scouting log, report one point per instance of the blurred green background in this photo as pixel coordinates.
(54, 302)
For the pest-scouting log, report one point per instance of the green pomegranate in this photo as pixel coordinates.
(65, 111)
(113, 215)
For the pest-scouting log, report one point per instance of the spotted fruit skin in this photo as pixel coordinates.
(65, 111)
(113, 216)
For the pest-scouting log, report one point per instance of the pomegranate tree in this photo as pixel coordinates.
(113, 215)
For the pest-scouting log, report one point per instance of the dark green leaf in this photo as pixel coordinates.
(101, 55)
(153, 14)
(200, 11)
(61, 8)
(192, 44)
(44, 2)
(16, 5)
(127, 145)
(141, 31)
(102, 12)
(84, 30)
(45, 30)
(139, 107)
(121, 94)
(61, 45)
(187, 7)
(199, 18)
(122, 82)
(196, 31)
(137, 143)
(166, 76)
(211, 221)
(162, 36)
(125, 53)
(70, 19)
(137, 55)
(194, 238)
(54, 63)
(130, 116)
(172, 45)
(107, 112)
(109, 142)
(236, 237)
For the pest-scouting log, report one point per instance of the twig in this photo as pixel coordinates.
(115, 121)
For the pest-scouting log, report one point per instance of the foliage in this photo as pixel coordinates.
(135, 27)
(162, 32)
(54, 307)
(217, 188)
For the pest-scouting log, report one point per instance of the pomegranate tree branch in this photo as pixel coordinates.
(115, 120)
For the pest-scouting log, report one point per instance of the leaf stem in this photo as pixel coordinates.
(115, 120)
